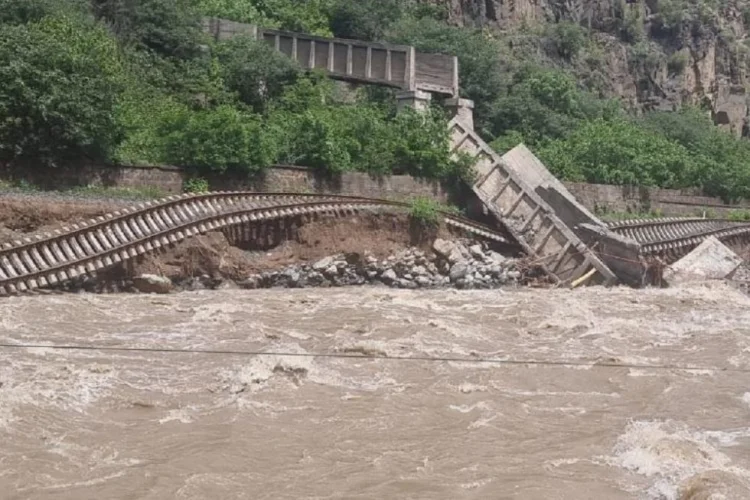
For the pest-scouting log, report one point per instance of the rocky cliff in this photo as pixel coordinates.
(654, 54)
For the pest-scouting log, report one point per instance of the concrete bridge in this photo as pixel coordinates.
(419, 75)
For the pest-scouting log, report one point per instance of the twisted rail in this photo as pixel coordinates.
(88, 247)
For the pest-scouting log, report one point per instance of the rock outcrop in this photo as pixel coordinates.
(653, 54)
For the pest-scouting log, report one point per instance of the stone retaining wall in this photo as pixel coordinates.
(276, 179)
(597, 197)
(634, 199)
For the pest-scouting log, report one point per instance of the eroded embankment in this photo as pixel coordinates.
(390, 249)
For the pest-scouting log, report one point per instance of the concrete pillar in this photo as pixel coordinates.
(463, 109)
(414, 99)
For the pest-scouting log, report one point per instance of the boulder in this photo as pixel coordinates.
(496, 257)
(251, 283)
(418, 270)
(389, 276)
(442, 247)
(476, 252)
(423, 281)
(455, 256)
(407, 284)
(323, 263)
(458, 271)
(151, 283)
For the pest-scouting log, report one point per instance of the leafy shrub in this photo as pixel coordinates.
(216, 140)
(169, 28)
(568, 38)
(14, 12)
(424, 211)
(364, 19)
(677, 62)
(307, 16)
(195, 185)
(61, 77)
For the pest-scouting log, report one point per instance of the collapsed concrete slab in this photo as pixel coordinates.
(709, 260)
(522, 161)
(532, 221)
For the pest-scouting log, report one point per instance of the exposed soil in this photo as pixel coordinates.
(212, 254)
(22, 217)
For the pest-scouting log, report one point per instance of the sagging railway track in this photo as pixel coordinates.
(88, 247)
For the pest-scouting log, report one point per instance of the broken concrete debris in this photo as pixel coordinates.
(709, 260)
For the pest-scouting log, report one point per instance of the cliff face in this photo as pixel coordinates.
(654, 54)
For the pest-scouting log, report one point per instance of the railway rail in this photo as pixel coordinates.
(91, 246)
(671, 229)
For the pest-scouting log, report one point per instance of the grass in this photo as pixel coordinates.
(426, 211)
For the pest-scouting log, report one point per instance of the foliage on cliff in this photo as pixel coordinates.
(137, 81)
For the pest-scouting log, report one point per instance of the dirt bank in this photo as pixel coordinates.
(213, 255)
(25, 216)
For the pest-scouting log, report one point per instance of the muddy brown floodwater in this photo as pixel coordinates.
(124, 424)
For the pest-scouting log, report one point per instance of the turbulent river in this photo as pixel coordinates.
(603, 408)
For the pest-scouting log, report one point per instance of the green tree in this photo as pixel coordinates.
(544, 104)
(169, 28)
(620, 151)
(61, 77)
(29, 11)
(307, 16)
(255, 71)
(364, 19)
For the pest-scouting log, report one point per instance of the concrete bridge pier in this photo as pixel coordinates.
(413, 99)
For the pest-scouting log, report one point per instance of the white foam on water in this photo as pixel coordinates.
(51, 385)
(482, 405)
(671, 453)
(746, 398)
(180, 415)
(468, 388)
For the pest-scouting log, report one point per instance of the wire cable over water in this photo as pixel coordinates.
(334, 355)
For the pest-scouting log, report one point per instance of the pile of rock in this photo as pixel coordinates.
(449, 264)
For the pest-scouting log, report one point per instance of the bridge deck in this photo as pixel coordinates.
(391, 65)
(511, 199)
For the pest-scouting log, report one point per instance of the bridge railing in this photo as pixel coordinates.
(399, 66)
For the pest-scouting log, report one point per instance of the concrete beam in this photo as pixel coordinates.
(462, 109)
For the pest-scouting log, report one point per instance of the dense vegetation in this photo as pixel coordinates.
(136, 81)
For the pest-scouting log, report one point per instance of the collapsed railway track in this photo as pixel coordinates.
(88, 247)
(672, 237)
